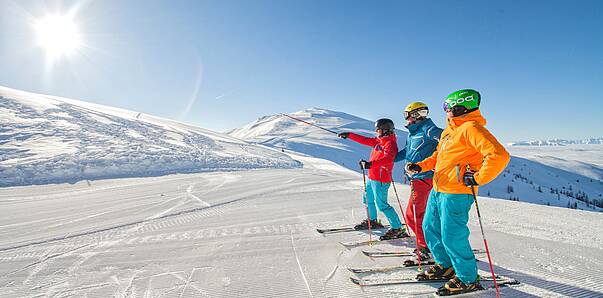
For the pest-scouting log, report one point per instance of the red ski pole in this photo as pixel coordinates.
(300, 120)
(368, 215)
(414, 210)
(479, 217)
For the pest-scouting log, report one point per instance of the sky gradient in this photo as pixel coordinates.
(222, 64)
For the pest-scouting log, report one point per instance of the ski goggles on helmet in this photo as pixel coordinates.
(416, 114)
(456, 110)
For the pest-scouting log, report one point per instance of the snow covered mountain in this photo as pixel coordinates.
(47, 139)
(570, 176)
(558, 142)
(281, 132)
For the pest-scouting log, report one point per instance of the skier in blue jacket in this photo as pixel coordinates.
(422, 141)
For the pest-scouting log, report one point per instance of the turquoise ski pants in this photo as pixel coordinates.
(447, 234)
(377, 191)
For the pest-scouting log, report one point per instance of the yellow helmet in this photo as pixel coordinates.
(416, 110)
(414, 105)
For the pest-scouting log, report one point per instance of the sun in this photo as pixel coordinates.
(57, 35)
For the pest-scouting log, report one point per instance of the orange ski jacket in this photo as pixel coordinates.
(465, 143)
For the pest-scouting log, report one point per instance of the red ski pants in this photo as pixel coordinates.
(419, 194)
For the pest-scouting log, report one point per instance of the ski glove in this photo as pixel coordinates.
(364, 164)
(412, 168)
(469, 178)
(343, 135)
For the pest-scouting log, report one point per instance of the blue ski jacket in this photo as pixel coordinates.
(422, 141)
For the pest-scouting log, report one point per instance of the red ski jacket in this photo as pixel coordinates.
(382, 157)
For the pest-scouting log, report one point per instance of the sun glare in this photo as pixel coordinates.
(58, 35)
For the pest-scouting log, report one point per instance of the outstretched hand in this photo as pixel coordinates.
(343, 135)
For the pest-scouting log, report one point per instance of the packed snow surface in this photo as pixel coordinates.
(252, 234)
(47, 139)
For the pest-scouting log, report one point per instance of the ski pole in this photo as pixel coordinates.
(479, 217)
(368, 215)
(399, 204)
(414, 210)
(311, 124)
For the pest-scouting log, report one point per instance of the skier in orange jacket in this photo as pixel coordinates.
(467, 155)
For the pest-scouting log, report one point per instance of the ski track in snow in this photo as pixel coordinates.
(301, 269)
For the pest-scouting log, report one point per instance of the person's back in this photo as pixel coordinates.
(382, 156)
(422, 141)
(380, 167)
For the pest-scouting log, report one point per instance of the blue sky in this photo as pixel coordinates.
(222, 64)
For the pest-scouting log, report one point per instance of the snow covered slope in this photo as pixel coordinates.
(565, 176)
(47, 139)
(279, 131)
(252, 234)
(558, 142)
(586, 160)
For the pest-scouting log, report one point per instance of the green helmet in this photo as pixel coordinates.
(462, 102)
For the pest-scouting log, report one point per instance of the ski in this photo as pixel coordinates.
(376, 269)
(343, 230)
(412, 280)
(406, 265)
(392, 281)
(413, 263)
(385, 254)
(501, 284)
(353, 244)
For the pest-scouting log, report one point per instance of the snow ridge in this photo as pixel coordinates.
(49, 139)
(284, 133)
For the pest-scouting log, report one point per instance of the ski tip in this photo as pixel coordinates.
(355, 270)
(347, 246)
(356, 281)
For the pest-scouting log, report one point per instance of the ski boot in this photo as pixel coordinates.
(425, 255)
(375, 224)
(436, 272)
(455, 286)
(394, 234)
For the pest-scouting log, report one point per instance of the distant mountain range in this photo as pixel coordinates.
(558, 142)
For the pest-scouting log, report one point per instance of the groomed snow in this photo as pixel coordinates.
(47, 139)
(252, 234)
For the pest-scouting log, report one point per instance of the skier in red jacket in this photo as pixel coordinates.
(379, 168)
